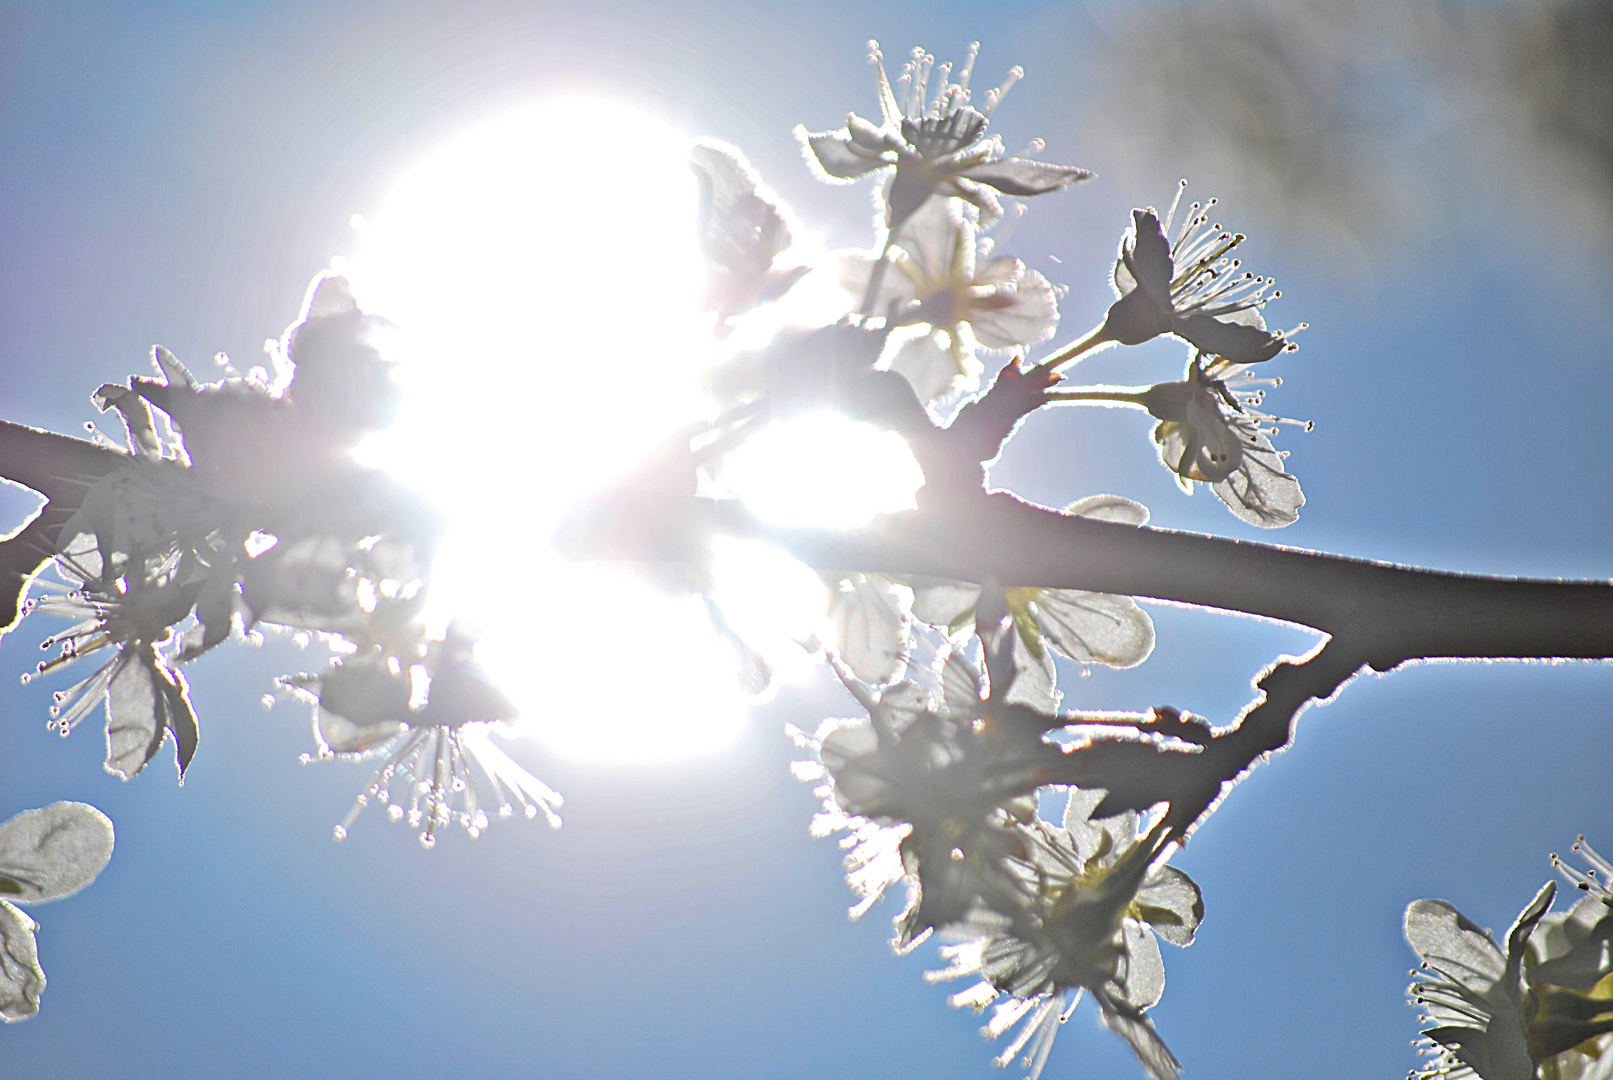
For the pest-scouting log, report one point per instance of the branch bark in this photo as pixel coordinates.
(1387, 614)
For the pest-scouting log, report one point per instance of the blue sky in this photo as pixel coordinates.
(177, 172)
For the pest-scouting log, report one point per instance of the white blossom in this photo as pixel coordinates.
(1473, 993)
(1188, 286)
(1543, 1008)
(936, 145)
(870, 616)
(743, 231)
(128, 619)
(923, 791)
(1211, 432)
(439, 764)
(1101, 894)
(962, 299)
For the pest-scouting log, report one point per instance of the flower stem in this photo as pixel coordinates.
(1071, 353)
(1094, 393)
(877, 278)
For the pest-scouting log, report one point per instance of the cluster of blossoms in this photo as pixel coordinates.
(1542, 1008)
(938, 787)
(934, 293)
(240, 505)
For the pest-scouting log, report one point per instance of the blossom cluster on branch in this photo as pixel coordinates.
(938, 785)
(240, 505)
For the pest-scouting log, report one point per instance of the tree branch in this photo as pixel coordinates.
(59, 467)
(1193, 778)
(1387, 614)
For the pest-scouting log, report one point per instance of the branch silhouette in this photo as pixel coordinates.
(1376, 615)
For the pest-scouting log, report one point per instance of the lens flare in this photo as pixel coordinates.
(543, 271)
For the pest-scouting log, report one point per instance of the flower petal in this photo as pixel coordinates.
(53, 852)
(928, 364)
(336, 734)
(1148, 256)
(1208, 451)
(858, 789)
(1446, 938)
(133, 729)
(1171, 903)
(896, 289)
(934, 233)
(1024, 311)
(1576, 947)
(1095, 628)
(835, 158)
(1143, 980)
(1259, 491)
(1506, 1048)
(1078, 819)
(961, 686)
(1022, 176)
(742, 229)
(365, 690)
(1116, 508)
(870, 616)
(22, 980)
(740, 224)
(1240, 343)
(947, 604)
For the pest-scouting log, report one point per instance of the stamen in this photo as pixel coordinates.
(1170, 215)
(911, 94)
(1587, 880)
(968, 69)
(943, 90)
(995, 97)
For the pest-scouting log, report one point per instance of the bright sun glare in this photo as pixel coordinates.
(543, 269)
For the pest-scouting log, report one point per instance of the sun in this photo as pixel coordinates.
(543, 272)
